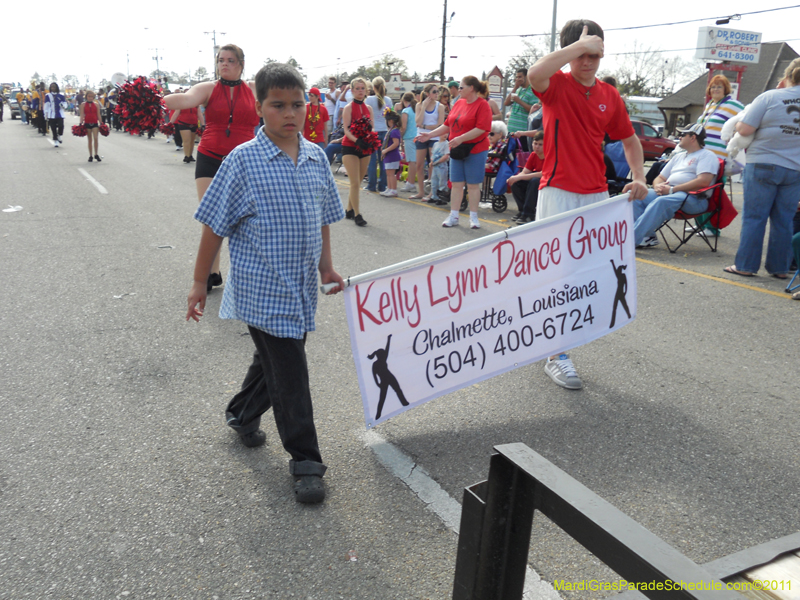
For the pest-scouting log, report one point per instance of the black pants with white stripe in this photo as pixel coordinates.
(57, 127)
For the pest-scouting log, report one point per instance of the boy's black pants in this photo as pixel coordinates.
(526, 193)
(278, 378)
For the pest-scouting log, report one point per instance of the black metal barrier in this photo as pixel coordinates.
(495, 534)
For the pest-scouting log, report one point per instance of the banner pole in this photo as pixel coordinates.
(413, 262)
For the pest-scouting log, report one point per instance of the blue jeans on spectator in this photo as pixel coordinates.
(438, 180)
(651, 213)
(331, 150)
(770, 192)
(372, 169)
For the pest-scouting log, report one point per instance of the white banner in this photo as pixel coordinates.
(522, 296)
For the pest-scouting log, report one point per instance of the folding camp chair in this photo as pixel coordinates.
(719, 214)
(617, 168)
(792, 286)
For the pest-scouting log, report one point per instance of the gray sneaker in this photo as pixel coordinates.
(562, 371)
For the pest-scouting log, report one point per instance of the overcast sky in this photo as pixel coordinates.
(340, 40)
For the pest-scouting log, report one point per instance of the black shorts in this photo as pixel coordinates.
(353, 151)
(182, 127)
(91, 125)
(206, 166)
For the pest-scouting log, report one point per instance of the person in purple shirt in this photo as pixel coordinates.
(390, 155)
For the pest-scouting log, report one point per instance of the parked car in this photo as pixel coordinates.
(13, 106)
(652, 143)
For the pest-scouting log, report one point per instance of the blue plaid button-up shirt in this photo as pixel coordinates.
(272, 211)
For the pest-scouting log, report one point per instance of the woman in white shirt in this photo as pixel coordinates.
(430, 115)
(379, 103)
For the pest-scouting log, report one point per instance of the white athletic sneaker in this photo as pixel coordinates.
(409, 187)
(386, 193)
(451, 221)
(55, 143)
(562, 371)
(474, 223)
(648, 242)
(392, 193)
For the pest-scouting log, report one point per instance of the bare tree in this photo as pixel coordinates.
(532, 50)
(647, 71)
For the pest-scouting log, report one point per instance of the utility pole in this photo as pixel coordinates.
(213, 34)
(444, 37)
(158, 70)
(553, 30)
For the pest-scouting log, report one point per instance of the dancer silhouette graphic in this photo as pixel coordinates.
(622, 289)
(384, 378)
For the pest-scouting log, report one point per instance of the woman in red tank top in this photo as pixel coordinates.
(230, 116)
(186, 121)
(354, 158)
(91, 119)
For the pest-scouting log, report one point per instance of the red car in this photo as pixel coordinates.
(652, 143)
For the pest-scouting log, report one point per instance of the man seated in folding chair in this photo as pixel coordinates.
(688, 171)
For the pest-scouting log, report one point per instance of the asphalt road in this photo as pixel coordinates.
(118, 478)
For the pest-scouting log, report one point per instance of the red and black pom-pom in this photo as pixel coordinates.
(167, 129)
(139, 106)
(362, 129)
(79, 131)
(103, 129)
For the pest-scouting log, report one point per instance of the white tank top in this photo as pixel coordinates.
(430, 120)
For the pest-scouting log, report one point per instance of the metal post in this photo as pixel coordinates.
(444, 35)
(553, 29)
(506, 534)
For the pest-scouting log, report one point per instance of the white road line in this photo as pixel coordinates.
(93, 181)
(438, 501)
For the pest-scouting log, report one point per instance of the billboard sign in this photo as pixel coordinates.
(732, 45)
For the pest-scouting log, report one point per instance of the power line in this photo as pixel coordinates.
(355, 60)
(524, 35)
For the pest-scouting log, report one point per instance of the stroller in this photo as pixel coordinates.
(500, 165)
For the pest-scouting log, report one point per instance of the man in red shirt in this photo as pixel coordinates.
(525, 185)
(316, 117)
(578, 110)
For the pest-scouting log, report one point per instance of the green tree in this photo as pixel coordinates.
(385, 67)
(72, 82)
(201, 74)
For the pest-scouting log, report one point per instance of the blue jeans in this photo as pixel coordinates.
(651, 213)
(331, 150)
(770, 192)
(438, 180)
(372, 174)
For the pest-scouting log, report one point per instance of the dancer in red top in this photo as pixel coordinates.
(186, 121)
(354, 158)
(231, 120)
(91, 119)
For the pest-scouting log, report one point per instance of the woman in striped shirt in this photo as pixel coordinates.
(719, 109)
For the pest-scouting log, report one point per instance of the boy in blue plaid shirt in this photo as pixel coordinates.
(274, 197)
